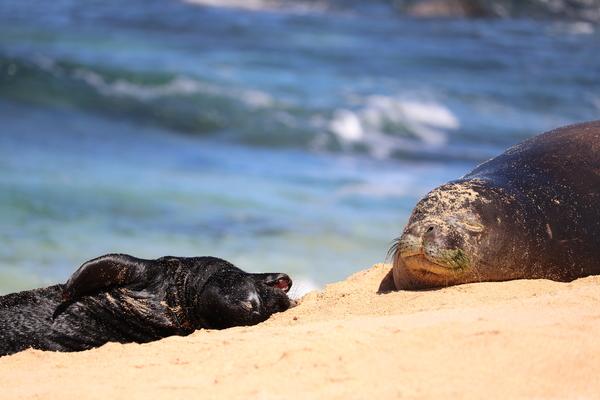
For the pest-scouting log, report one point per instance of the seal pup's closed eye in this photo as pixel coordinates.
(122, 298)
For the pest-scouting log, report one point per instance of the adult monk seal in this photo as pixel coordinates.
(531, 212)
(120, 298)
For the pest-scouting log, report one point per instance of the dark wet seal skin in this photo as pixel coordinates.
(532, 212)
(119, 298)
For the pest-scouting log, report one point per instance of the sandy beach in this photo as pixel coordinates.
(519, 339)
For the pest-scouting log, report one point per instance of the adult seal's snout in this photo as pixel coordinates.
(531, 212)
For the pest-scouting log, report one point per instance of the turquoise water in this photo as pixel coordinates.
(281, 141)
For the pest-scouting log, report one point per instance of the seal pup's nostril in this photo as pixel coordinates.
(281, 281)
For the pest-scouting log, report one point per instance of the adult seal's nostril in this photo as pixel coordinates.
(430, 232)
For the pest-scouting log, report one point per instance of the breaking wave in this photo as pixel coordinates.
(387, 125)
(381, 126)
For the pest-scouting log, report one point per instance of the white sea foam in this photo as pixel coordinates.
(302, 286)
(575, 28)
(242, 4)
(177, 87)
(347, 126)
(259, 5)
(386, 124)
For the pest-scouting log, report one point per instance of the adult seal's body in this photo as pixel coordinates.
(119, 298)
(532, 212)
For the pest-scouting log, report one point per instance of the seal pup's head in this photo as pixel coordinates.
(453, 234)
(191, 292)
(232, 298)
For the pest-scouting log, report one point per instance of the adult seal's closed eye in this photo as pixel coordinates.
(119, 298)
(532, 212)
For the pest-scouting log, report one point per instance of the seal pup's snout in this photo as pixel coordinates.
(283, 282)
(278, 280)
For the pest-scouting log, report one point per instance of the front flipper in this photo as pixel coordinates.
(111, 270)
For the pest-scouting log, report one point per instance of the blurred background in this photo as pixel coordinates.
(289, 136)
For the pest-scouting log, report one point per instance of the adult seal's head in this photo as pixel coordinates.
(529, 213)
(460, 232)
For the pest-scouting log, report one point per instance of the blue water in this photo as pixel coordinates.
(279, 140)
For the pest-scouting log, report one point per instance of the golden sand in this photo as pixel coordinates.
(519, 339)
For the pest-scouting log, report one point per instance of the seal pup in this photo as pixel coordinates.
(532, 212)
(120, 298)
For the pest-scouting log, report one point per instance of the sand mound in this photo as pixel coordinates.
(519, 339)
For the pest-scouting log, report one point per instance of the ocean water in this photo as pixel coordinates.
(281, 140)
